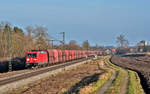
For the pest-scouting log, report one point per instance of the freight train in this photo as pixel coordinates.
(53, 56)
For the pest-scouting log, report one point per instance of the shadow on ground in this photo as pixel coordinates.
(84, 82)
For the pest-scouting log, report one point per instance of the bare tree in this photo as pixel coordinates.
(122, 42)
(41, 37)
(73, 45)
(86, 45)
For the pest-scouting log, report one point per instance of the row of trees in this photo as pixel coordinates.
(19, 42)
(72, 45)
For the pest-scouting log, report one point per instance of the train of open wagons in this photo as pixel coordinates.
(53, 56)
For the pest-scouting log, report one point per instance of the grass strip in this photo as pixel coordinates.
(115, 88)
(134, 86)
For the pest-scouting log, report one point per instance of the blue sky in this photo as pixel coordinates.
(99, 21)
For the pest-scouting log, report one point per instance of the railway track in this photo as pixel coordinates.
(37, 72)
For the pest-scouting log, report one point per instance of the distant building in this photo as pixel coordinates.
(142, 43)
(143, 46)
(133, 49)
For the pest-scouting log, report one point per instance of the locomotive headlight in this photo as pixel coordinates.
(28, 59)
(35, 59)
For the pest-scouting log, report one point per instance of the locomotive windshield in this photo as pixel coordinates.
(31, 55)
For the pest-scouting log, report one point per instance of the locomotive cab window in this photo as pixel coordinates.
(31, 55)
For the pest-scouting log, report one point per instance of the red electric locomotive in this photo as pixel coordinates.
(35, 58)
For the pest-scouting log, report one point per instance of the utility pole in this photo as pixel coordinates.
(9, 49)
(52, 43)
(87, 48)
(63, 35)
(63, 42)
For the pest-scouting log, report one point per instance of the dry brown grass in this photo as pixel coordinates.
(61, 82)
